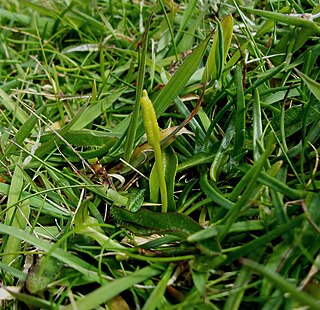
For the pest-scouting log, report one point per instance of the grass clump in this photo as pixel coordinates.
(235, 91)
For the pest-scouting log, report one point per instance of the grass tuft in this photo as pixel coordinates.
(235, 92)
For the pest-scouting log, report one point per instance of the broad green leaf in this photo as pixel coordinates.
(180, 78)
(200, 280)
(146, 222)
(219, 50)
(227, 28)
(136, 199)
(42, 273)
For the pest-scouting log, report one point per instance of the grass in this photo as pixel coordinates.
(235, 90)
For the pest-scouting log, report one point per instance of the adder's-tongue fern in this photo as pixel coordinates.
(153, 134)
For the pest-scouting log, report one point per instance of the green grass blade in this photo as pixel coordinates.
(88, 271)
(131, 132)
(257, 123)
(180, 78)
(14, 272)
(283, 284)
(240, 113)
(95, 110)
(170, 28)
(85, 137)
(190, 9)
(13, 107)
(266, 76)
(213, 231)
(174, 86)
(254, 172)
(155, 297)
(313, 86)
(213, 193)
(297, 21)
(23, 133)
(223, 152)
(37, 202)
(30, 300)
(280, 186)
(243, 278)
(26, 19)
(110, 290)
(17, 216)
(251, 246)
(72, 73)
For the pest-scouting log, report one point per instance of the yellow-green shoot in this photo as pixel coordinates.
(153, 135)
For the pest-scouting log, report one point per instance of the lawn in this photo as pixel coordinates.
(159, 154)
